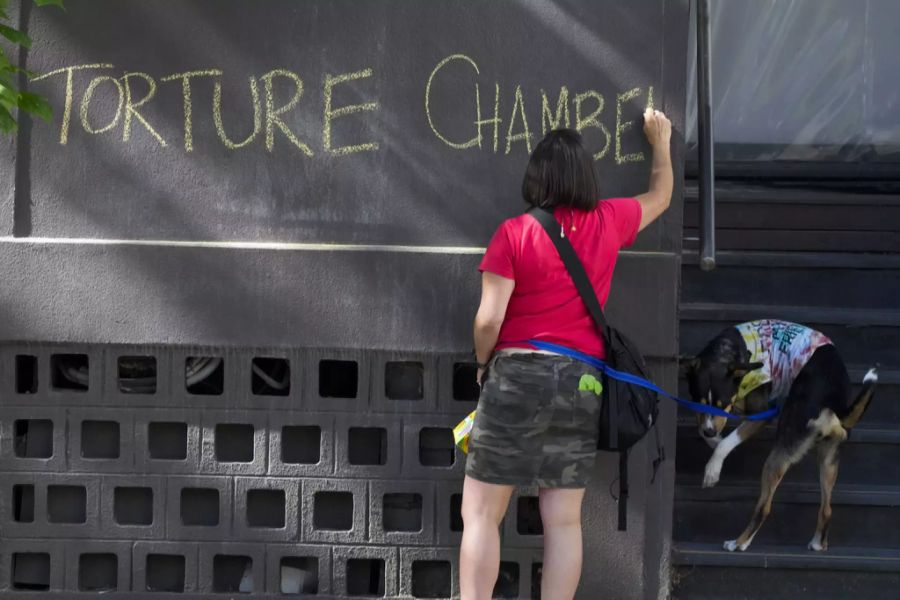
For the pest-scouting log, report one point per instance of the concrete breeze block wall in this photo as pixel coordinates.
(340, 481)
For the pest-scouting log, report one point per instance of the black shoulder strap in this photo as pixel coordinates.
(586, 290)
(574, 266)
(589, 296)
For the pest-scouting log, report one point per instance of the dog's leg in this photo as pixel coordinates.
(734, 439)
(776, 466)
(828, 470)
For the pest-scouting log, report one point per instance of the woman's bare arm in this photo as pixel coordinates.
(655, 201)
(495, 294)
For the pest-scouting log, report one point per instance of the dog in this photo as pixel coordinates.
(751, 367)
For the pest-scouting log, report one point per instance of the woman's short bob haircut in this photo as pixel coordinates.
(561, 173)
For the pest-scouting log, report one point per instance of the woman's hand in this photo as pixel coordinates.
(658, 129)
(479, 376)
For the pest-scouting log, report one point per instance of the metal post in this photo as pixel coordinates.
(705, 142)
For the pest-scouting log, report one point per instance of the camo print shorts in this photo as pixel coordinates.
(533, 425)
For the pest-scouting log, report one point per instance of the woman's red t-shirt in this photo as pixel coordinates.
(545, 304)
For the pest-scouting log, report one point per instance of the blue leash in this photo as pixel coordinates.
(640, 381)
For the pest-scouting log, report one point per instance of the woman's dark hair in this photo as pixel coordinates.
(561, 172)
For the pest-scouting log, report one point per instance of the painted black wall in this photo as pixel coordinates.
(343, 228)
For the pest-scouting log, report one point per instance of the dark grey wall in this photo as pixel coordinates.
(150, 240)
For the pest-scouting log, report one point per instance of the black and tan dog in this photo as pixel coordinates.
(748, 368)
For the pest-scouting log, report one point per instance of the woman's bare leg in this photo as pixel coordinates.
(561, 516)
(483, 507)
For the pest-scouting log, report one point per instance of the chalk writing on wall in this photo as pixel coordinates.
(502, 126)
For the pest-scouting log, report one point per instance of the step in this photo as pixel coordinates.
(706, 572)
(862, 462)
(848, 192)
(884, 560)
(797, 260)
(808, 315)
(862, 336)
(863, 516)
(863, 433)
(753, 217)
(812, 287)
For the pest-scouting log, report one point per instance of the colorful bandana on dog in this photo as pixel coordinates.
(783, 348)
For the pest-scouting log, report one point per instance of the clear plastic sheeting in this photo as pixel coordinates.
(807, 80)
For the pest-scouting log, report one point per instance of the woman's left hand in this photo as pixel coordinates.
(479, 376)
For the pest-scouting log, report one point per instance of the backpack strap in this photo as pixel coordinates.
(575, 268)
(623, 490)
(589, 296)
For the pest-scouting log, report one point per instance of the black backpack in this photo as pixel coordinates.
(629, 411)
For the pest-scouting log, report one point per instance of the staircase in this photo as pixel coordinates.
(829, 259)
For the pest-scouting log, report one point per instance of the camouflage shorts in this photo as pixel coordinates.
(536, 424)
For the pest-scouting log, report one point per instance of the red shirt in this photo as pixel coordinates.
(545, 304)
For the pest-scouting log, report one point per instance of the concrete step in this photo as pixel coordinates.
(864, 516)
(864, 433)
(706, 572)
(759, 217)
(793, 284)
(870, 458)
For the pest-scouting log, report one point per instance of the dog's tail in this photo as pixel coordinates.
(870, 381)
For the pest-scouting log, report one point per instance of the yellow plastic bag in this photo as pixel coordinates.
(462, 430)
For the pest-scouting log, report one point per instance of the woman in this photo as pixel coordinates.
(534, 426)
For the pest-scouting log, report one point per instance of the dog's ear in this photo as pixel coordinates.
(741, 369)
(687, 366)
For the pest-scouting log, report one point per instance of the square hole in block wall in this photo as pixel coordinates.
(365, 577)
(271, 376)
(402, 512)
(167, 440)
(232, 574)
(507, 585)
(23, 503)
(431, 579)
(299, 575)
(465, 385)
(99, 439)
(436, 447)
(69, 372)
(456, 522)
(30, 571)
(537, 570)
(338, 378)
(200, 506)
(133, 505)
(367, 446)
(404, 380)
(26, 374)
(34, 438)
(234, 442)
(301, 444)
(165, 573)
(66, 504)
(265, 508)
(137, 374)
(333, 511)
(528, 516)
(98, 572)
(204, 375)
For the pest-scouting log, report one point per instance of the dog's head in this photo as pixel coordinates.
(714, 380)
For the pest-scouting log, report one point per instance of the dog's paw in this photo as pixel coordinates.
(732, 545)
(817, 545)
(711, 475)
